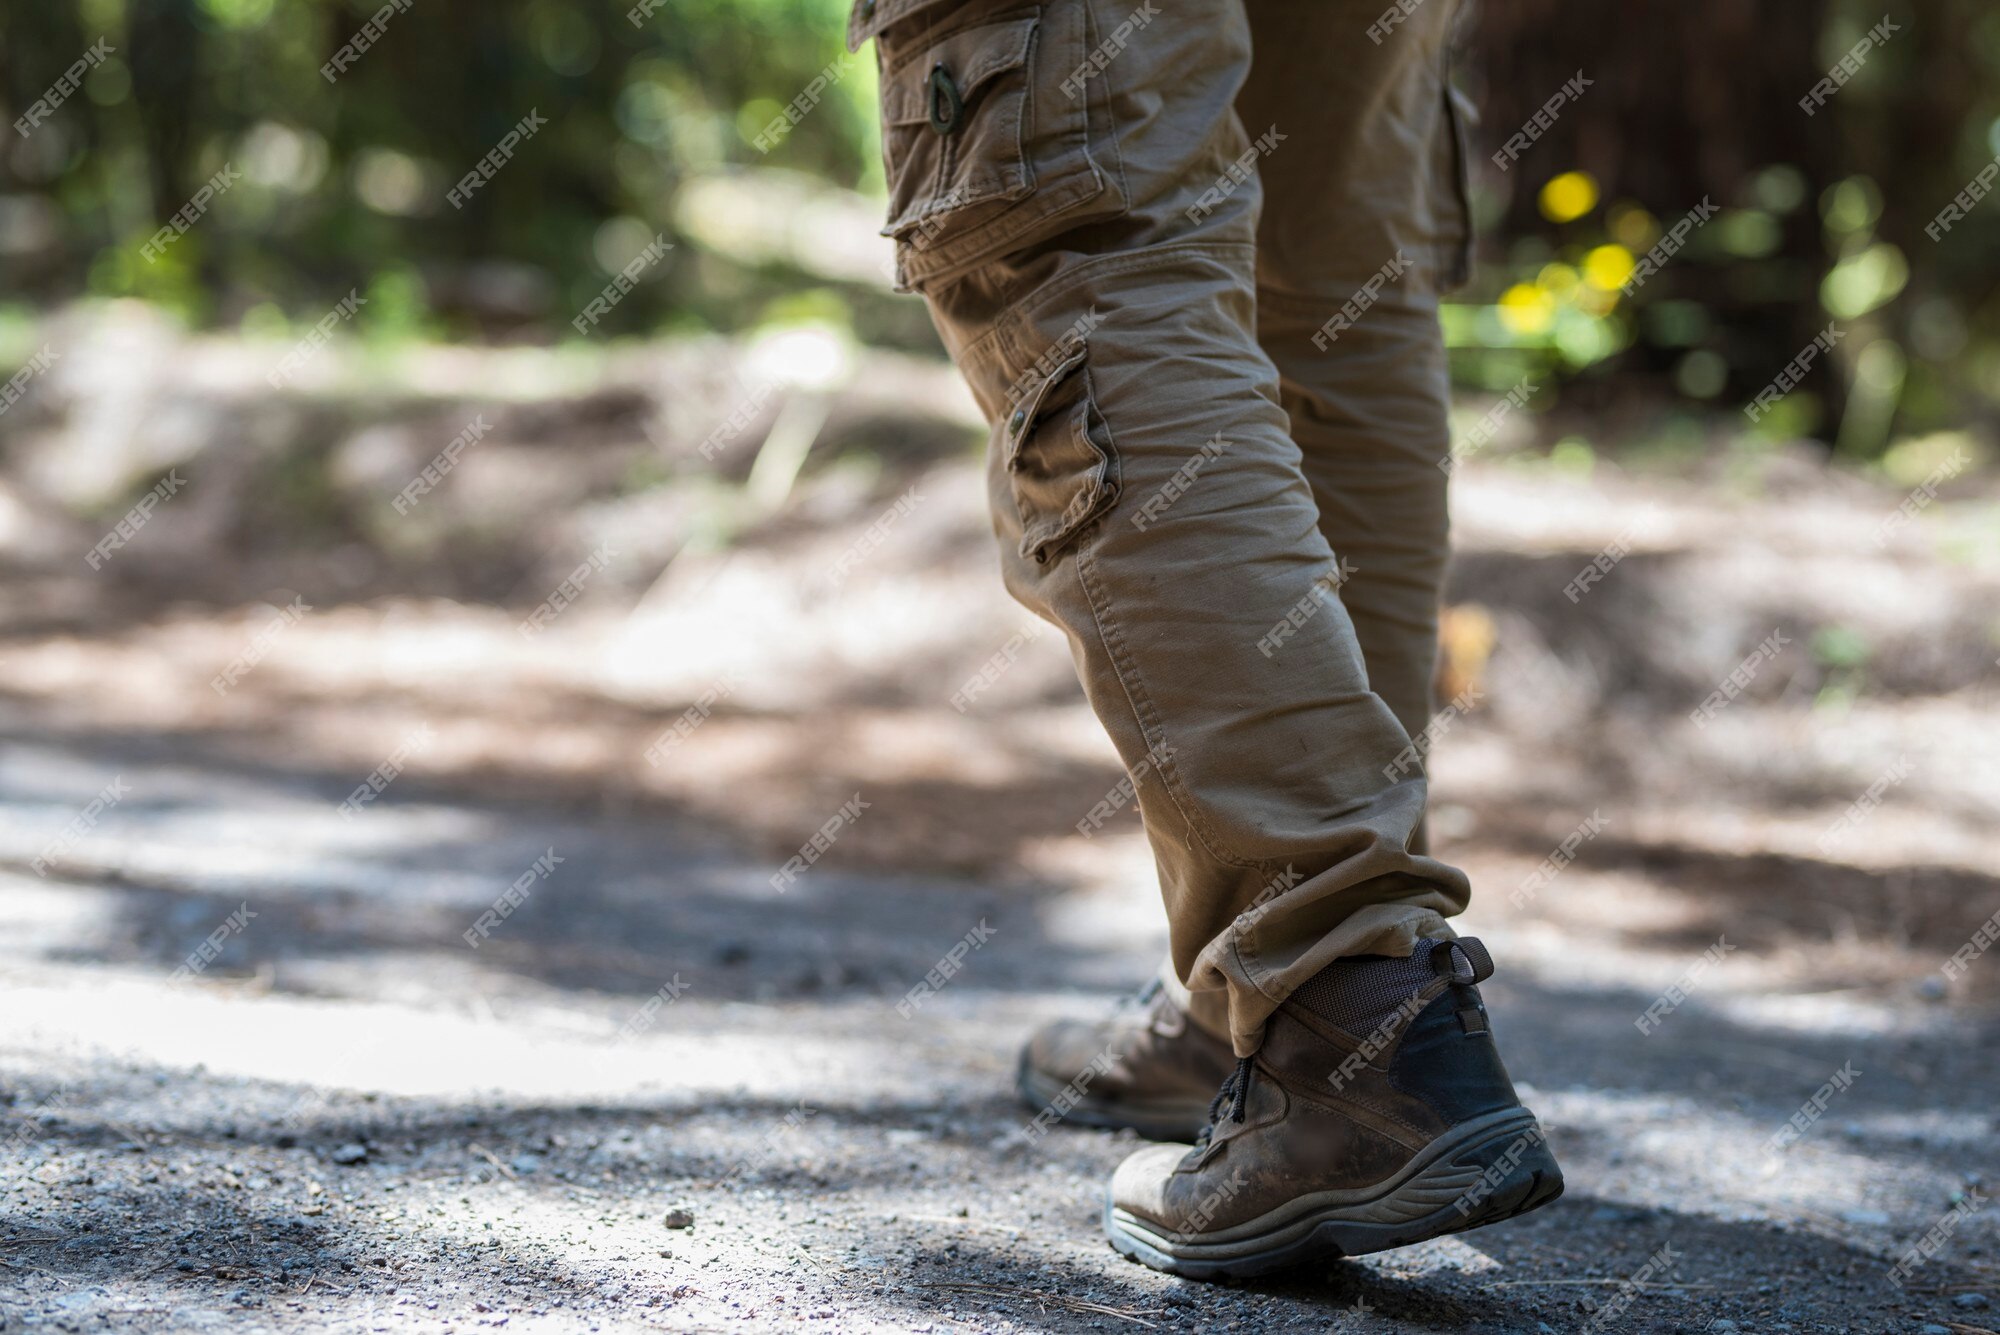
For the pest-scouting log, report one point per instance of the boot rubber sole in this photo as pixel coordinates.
(1162, 1120)
(1481, 1172)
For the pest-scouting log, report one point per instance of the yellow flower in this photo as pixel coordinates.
(1607, 267)
(1569, 196)
(1527, 309)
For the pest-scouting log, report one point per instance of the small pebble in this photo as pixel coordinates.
(351, 1154)
(1971, 1302)
(679, 1219)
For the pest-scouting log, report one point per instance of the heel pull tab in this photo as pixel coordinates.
(1466, 960)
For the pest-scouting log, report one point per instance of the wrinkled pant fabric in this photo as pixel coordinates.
(1188, 258)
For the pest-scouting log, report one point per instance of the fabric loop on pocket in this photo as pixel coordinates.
(947, 103)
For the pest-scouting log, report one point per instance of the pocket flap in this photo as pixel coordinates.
(1020, 423)
(971, 56)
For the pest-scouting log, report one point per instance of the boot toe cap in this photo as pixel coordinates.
(1140, 1185)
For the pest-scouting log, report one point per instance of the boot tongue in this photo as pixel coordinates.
(1361, 993)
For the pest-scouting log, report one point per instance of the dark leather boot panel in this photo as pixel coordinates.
(1449, 1065)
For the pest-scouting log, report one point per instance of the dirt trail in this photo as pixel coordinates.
(354, 1119)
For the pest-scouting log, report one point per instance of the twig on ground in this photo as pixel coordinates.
(1060, 1300)
(493, 1159)
(1561, 1283)
(802, 1253)
(1975, 1275)
(131, 1137)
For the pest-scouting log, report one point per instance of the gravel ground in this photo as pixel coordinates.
(357, 1125)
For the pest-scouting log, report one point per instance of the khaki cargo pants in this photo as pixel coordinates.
(1187, 253)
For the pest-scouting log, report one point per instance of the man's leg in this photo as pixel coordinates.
(1376, 1112)
(1361, 229)
(1363, 224)
(1077, 198)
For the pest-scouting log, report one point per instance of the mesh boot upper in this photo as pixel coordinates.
(1362, 993)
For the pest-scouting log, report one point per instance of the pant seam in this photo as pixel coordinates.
(1250, 969)
(1108, 100)
(1150, 727)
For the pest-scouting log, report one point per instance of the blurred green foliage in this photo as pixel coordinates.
(1820, 138)
(344, 183)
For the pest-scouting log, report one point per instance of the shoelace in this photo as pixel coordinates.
(1235, 1091)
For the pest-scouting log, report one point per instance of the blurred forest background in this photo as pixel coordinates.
(653, 128)
(663, 607)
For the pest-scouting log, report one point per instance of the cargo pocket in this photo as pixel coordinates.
(983, 151)
(1061, 464)
(1458, 113)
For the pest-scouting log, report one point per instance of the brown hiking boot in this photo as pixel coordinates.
(1376, 1115)
(1146, 1066)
